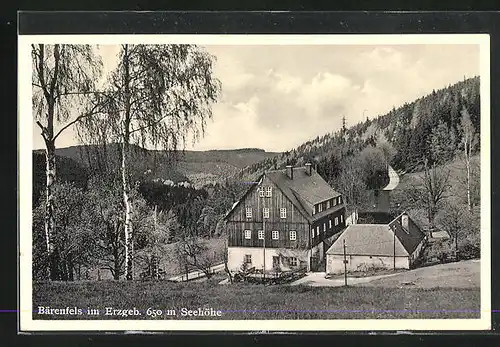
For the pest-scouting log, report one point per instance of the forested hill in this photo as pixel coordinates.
(406, 128)
(196, 167)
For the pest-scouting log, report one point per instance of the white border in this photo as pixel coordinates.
(25, 124)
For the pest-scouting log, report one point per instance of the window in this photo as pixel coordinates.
(317, 230)
(293, 235)
(334, 202)
(341, 218)
(292, 261)
(312, 232)
(265, 211)
(276, 234)
(282, 212)
(315, 209)
(340, 199)
(324, 227)
(248, 234)
(260, 234)
(248, 258)
(330, 223)
(336, 220)
(320, 207)
(328, 204)
(249, 212)
(269, 191)
(261, 192)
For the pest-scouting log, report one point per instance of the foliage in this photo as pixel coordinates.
(104, 211)
(430, 190)
(442, 144)
(193, 252)
(73, 237)
(68, 170)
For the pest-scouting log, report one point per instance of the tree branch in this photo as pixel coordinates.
(77, 119)
(43, 130)
(149, 125)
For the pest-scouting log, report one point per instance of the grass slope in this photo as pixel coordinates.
(463, 274)
(246, 301)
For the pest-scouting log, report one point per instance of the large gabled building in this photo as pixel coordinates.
(283, 221)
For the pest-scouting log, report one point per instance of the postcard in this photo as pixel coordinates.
(254, 182)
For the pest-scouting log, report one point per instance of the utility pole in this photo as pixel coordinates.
(394, 244)
(264, 240)
(155, 261)
(345, 266)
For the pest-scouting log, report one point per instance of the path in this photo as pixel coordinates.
(393, 179)
(196, 274)
(463, 274)
(317, 279)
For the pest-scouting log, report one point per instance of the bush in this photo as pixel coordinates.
(440, 251)
(469, 250)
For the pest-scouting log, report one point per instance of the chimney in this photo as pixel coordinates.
(309, 168)
(289, 171)
(404, 221)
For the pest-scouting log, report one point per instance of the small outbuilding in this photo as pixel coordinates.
(396, 244)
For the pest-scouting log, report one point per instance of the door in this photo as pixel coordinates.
(314, 263)
(276, 262)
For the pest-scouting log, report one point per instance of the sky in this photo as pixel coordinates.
(276, 97)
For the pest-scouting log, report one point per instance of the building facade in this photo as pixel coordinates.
(395, 245)
(282, 221)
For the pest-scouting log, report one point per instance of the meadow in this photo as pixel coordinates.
(254, 301)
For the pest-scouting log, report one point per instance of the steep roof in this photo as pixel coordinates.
(303, 190)
(378, 239)
(410, 237)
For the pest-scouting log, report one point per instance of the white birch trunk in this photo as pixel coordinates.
(50, 223)
(129, 235)
(468, 144)
(128, 216)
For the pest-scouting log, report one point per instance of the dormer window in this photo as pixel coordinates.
(261, 192)
(320, 208)
(269, 192)
(327, 204)
(334, 202)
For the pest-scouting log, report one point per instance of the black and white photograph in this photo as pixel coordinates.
(254, 182)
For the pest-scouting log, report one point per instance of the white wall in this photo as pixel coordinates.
(335, 264)
(236, 256)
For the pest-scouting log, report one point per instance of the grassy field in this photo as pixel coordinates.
(463, 274)
(247, 301)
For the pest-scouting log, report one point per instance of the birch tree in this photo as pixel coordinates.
(159, 95)
(469, 143)
(63, 82)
